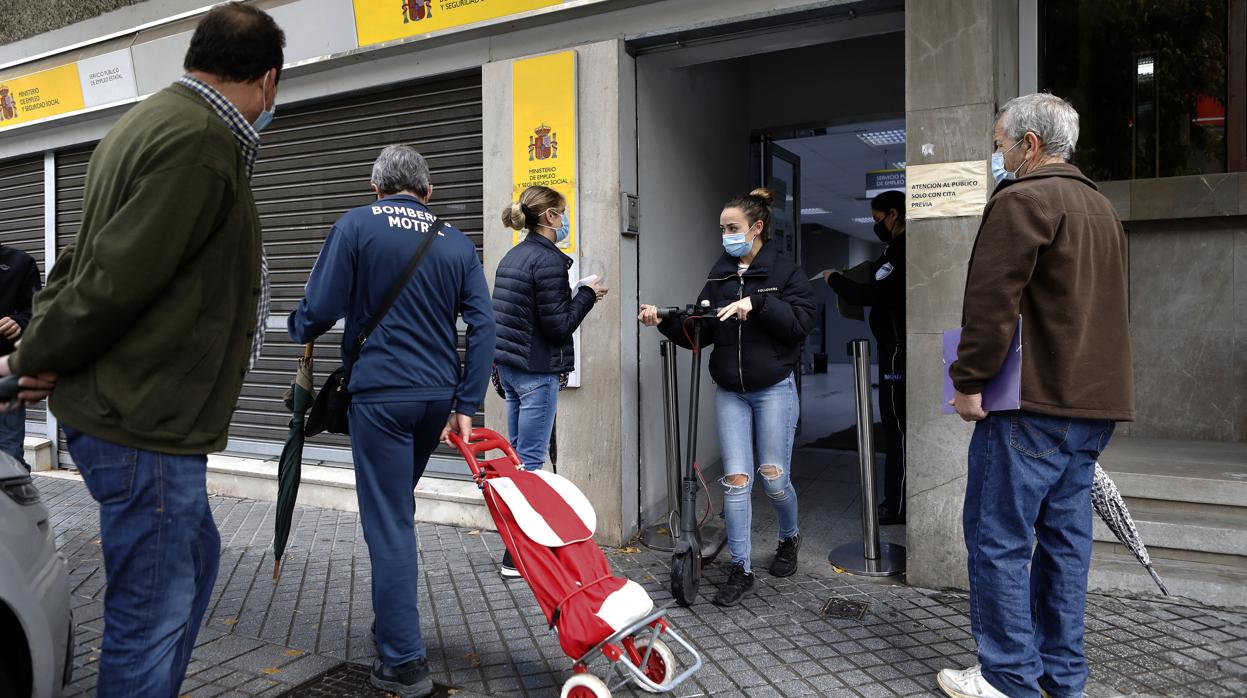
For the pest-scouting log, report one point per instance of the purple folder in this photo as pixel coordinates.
(1004, 392)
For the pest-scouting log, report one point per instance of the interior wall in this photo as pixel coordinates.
(693, 154)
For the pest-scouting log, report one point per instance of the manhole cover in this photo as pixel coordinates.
(349, 681)
(845, 609)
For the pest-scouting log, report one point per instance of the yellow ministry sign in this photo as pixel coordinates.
(543, 140)
(378, 21)
(40, 95)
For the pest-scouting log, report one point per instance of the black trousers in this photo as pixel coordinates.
(892, 415)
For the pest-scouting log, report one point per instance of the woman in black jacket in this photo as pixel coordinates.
(536, 314)
(765, 308)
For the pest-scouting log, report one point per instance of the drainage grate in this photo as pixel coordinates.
(349, 681)
(845, 609)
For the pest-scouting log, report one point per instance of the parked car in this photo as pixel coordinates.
(36, 622)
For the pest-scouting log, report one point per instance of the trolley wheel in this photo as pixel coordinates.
(585, 686)
(685, 576)
(661, 665)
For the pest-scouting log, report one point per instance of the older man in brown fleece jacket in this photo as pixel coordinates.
(1052, 250)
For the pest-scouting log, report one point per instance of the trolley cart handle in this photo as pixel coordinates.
(480, 442)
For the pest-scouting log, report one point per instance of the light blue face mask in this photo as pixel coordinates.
(999, 172)
(564, 230)
(266, 117)
(736, 244)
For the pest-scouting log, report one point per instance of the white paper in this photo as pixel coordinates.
(590, 279)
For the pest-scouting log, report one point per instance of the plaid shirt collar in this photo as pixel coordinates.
(242, 129)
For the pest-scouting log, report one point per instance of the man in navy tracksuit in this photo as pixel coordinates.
(407, 386)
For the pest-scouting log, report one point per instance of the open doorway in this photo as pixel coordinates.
(712, 124)
(841, 168)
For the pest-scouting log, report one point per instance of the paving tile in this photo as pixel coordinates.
(488, 638)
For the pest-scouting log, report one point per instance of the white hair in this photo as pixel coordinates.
(400, 168)
(1049, 117)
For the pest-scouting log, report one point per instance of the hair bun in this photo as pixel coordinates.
(763, 193)
(513, 216)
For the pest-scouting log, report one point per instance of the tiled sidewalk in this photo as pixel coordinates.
(487, 637)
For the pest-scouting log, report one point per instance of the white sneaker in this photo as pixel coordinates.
(966, 683)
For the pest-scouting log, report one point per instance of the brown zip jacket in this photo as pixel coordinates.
(1051, 249)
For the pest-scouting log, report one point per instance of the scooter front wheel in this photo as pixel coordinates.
(685, 576)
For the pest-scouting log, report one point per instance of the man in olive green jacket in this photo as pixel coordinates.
(151, 318)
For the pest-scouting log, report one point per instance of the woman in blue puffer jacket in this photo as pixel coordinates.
(536, 314)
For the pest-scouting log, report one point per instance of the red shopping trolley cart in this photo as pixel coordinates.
(547, 525)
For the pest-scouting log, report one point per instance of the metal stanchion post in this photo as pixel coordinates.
(869, 558)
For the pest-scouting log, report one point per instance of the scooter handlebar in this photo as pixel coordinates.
(688, 310)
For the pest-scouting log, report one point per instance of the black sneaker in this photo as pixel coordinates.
(785, 562)
(408, 680)
(507, 568)
(738, 582)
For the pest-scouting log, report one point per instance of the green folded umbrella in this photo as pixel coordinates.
(290, 467)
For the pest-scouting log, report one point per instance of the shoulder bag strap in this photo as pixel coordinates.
(397, 289)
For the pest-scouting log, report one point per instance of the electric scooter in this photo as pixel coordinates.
(691, 550)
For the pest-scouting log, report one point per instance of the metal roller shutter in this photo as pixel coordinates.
(315, 164)
(71, 178)
(22, 221)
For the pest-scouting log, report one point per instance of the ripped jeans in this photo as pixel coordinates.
(756, 429)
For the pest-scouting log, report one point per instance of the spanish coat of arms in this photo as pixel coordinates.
(543, 144)
(416, 10)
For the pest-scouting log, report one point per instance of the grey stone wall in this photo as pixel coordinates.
(1188, 304)
(1188, 317)
(26, 18)
(956, 71)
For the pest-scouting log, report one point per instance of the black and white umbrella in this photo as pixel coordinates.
(1111, 507)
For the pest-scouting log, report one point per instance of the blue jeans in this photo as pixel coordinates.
(1029, 482)
(161, 550)
(756, 429)
(13, 434)
(391, 443)
(532, 400)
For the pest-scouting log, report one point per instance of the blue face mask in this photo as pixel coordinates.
(266, 117)
(736, 244)
(564, 230)
(999, 172)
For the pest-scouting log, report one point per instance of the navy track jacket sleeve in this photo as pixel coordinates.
(478, 314)
(327, 296)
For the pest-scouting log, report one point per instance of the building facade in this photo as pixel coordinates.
(676, 105)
